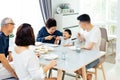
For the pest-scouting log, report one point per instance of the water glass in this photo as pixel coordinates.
(78, 49)
(63, 56)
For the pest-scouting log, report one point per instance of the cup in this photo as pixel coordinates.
(78, 49)
(63, 56)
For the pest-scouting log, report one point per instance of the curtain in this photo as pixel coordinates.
(46, 9)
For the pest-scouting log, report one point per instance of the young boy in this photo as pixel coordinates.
(65, 39)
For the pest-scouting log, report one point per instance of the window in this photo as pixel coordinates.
(102, 12)
(112, 10)
(22, 11)
(95, 8)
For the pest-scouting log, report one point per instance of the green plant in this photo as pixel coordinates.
(113, 29)
(11, 35)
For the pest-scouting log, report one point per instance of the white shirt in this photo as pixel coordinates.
(27, 66)
(66, 42)
(94, 35)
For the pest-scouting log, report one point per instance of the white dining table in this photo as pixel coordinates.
(73, 60)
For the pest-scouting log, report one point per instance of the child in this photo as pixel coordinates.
(65, 39)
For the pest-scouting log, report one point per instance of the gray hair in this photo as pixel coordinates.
(5, 21)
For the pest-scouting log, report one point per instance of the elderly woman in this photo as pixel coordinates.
(26, 63)
(49, 34)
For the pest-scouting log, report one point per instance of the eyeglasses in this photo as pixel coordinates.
(11, 23)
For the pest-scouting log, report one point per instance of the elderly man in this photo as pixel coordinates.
(6, 71)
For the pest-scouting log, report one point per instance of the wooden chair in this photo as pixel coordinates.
(108, 39)
(60, 75)
(11, 78)
(98, 66)
(101, 61)
(51, 79)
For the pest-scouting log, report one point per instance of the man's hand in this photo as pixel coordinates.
(80, 37)
(49, 37)
(89, 46)
(5, 63)
(10, 59)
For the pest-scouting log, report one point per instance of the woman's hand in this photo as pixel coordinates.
(38, 55)
(49, 37)
(49, 66)
(53, 63)
(57, 39)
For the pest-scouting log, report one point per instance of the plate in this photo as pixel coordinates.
(72, 47)
(50, 48)
(54, 45)
(38, 43)
(43, 51)
(50, 56)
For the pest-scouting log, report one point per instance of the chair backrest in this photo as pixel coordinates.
(104, 33)
(103, 45)
(102, 50)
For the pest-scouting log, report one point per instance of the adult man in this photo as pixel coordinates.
(92, 37)
(6, 71)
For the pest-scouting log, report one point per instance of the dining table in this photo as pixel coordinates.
(70, 60)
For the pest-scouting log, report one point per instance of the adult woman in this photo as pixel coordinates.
(49, 33)
(26, 63)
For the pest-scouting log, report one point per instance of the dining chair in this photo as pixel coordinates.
(59, 75)
(103, 49)
(101, 61)
(109, 40)
(104, 34)
(11, 78)
(51, 79)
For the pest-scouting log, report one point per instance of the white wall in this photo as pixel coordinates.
(74, 4)
(118, 30)
(22, 11)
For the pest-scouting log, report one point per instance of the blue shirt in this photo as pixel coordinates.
(4, 44)
(43, 33)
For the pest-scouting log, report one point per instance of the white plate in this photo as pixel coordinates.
(53, 45)
(72, 47)
(50, 56)
(50, 48)
(38, 43)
